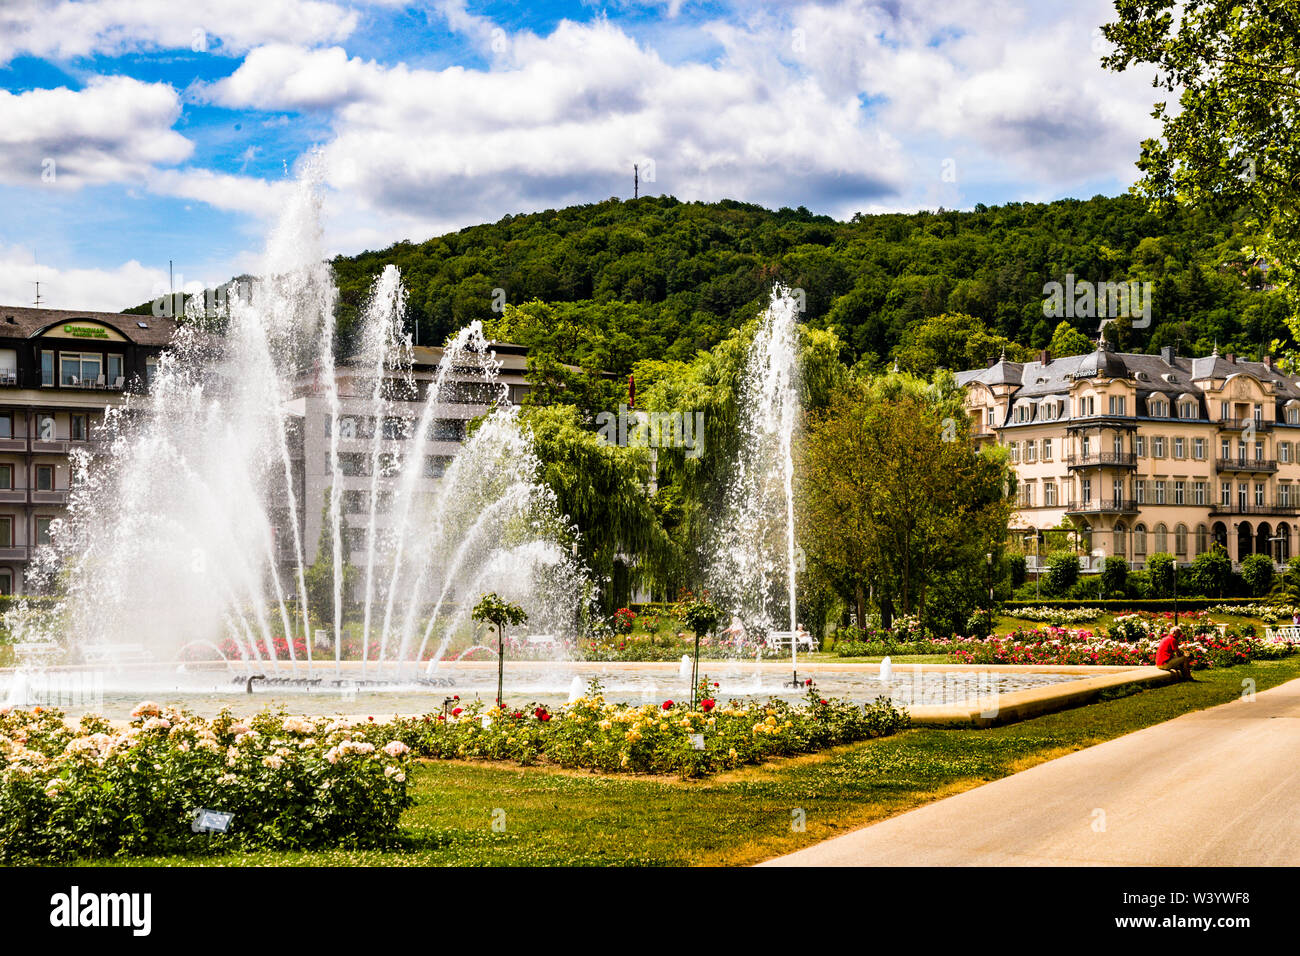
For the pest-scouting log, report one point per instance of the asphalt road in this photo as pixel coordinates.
(1219, 787)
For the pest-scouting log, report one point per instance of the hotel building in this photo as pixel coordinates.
(59, 372)
(1144, 454)
(466, 397)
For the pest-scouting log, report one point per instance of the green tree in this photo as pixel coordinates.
(1257, 572)
(1162, 570)
(499, 612)
(1062, 572)
(1114, 576)
(1232, 141)
(1211, 572)
(1067, 340)
(895, 499)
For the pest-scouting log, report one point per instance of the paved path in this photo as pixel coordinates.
(1215, 787)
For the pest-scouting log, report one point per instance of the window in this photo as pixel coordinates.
(1117, 491)
(1027, 494)
(1225, 494)
(1284, 451)
(435, 466)
(1293, 415)
(79, 368)
(1180, 492)
(1200, 493)
(991, 420)
(80, 428)
(1259, 451)
(397, 429)
(389, 465)
(43, 529)
(1198, 449)
(1047, 449)
(150, 369)
(1225, 448)
(1180, 448)
(1202, 539)
(1117, 404)
(1031, 451)
(1140, 541)
(1120, 534)
(1187, 410)
(1160, 496)
(1243, 493)
(6, 531)
(1140, 445)
(1180, 541)
(6, 477)
(1085, 491)
(1259, 413)
(6, 582)
(351, 465)
(6, 424)
(1225, 411)
(115, 378)
(1158, 446)
(1259, 492)
(1162, 538)
(1085, 447)
(47, 368)
(447, 429)
(1013, 451)
(1140, 490)
(1117, 446)
(1159, 408)
(44, 477)
(1284, 494)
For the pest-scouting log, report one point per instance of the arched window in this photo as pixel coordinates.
(1245, 538)
(1221, 534)
(1162, 538)
(1264, 539)
(1121, 532)
(1202, 539)
(1139, 542)
(1180, 541)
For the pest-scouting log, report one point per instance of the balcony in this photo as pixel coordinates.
(1084, 422)
(13, 444)
(49, 497)
(1103, 459)
(1252, 465)
(1102, 506)
(1237, 424)
(14, 553)
(1237, 508)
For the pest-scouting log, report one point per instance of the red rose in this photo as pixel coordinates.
(440, 717)
(456, 712)
(668, 705)
(825, 701)
(706, 704)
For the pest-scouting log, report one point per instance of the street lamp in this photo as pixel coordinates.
(988, 558)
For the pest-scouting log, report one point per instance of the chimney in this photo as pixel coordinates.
(1168, 353)
(992, 361)
(1268, 362)
(1044, 357)
(1232, 359)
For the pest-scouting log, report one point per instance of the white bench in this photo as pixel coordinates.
(1286, 633)
(780, 641)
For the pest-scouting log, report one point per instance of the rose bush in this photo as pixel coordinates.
(93, 790)
(595, 734)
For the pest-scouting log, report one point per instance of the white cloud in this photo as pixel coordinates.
(116, 129)
(91, 289)
(246, 194)
(63, 29)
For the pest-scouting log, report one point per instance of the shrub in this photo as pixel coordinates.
(92, 791)
(1257, 572)
(1017, 569)
(1062, 571)
(1114, 576)
(1162, 570)
(1210, 573)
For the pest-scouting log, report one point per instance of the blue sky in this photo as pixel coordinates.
(132, 133)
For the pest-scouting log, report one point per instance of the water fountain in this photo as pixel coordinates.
(754, 562)
(186, 526)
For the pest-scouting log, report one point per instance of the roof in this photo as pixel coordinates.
(21, 322)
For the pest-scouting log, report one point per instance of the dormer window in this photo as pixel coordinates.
(1187, 410)
(1159, 408)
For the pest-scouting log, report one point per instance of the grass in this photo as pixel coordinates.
(555, 817)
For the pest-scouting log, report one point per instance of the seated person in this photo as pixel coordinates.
(1170, 658)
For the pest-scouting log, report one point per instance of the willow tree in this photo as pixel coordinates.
(602, 488)
(895, 498)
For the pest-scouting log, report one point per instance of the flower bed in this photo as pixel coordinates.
(594, 734)
(1054, 645)
(289, 782)
(1060, 616)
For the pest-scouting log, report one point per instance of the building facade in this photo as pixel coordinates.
(1147, 454)
(59, 372)
(467, 397)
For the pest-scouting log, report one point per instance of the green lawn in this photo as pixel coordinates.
(559, 818)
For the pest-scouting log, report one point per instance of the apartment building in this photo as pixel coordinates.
(1143, 454)
(59, 371)
(467, 398)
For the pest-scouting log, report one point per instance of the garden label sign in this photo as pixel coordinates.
(211, 821)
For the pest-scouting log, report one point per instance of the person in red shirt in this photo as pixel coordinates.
(1170, 658)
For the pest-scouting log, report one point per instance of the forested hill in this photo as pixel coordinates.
(659, 278)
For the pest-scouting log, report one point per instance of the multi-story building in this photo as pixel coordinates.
(59, 372)
(1147, 454)
(467, 398)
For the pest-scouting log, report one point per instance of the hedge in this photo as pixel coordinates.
(1135, 604)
